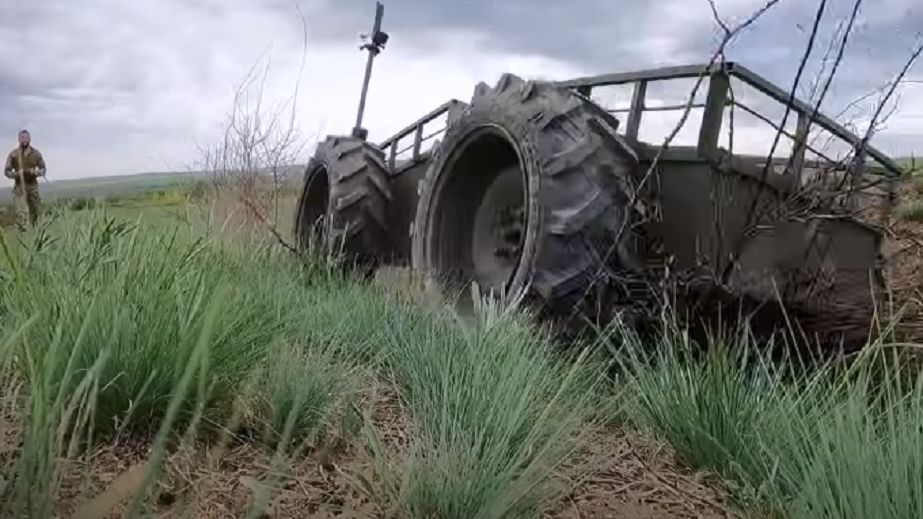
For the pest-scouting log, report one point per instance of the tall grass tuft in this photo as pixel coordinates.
(55, 421)
(150, 288)
(494, 419)
(836, 442)
(862, 455)
(710, 406)
(297, 391)
(130, 329)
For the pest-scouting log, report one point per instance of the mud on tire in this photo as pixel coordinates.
(344, 203)
(558, 157)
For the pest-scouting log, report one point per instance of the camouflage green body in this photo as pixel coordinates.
(24, 167)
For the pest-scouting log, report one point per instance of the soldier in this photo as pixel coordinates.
(25, 165)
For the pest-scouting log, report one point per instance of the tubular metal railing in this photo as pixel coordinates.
(391, 144)
(717, 100)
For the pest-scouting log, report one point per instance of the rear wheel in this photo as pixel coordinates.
(344, 203)
(530, 194)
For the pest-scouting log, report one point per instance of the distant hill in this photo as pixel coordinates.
(105, 187)
(114, 186)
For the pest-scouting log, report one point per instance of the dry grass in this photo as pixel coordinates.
(634, 477)
(640, 477)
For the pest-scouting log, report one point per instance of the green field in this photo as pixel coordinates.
(108, 187)
(912, 164)
(156, 362)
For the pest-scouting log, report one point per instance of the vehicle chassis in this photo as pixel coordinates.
(729, 218)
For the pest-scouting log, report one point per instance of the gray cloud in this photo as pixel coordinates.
(124, 82)
(597, 33)
(614, 33)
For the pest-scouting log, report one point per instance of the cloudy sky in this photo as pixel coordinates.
(113, 86)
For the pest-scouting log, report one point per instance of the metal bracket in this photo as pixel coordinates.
(377, 41)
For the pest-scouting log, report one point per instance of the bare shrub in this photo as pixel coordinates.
(259, 152)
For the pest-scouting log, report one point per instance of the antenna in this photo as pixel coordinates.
(377, 42)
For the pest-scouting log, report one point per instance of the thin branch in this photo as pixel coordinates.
(717, 17)
(858, 150)
(716, 55)
(818, 17)
(832, 46)
(270, 227)
(753, 214)
(894, 84)
(728, 37)
(260, 139)
(836, 64)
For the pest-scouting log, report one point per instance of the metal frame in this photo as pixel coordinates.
(452, 107)
(717, 100)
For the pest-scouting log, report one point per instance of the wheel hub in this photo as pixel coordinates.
(499, 229)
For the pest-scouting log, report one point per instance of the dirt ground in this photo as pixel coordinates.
(907, 290)
(639, 480)
(635, 478)
(903, 255)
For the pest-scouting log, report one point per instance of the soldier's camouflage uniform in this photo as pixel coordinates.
(25, 167)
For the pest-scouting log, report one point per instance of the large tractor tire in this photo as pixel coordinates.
(530, 195)
(344, 204)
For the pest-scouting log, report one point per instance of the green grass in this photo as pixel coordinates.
(911, 210)
(109, 316)
(148, 332)
(494, 418)
(121, 327)
(138, 298)
(838, 442)
(912, 164)
(110, 187)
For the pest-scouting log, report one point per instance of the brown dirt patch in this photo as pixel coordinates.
(204, 485)
(640, 478)
(903, 253)
(211, 483)
(10, 429)
(635, 478)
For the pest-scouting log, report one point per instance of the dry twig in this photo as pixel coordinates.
(716, 56)
(259, 143)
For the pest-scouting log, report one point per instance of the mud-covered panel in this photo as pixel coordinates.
(808, 261)
(403, 209)
(709, 215)
(704, 211)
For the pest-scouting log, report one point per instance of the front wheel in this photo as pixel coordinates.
(531, 194)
